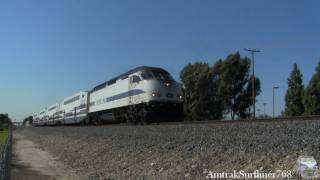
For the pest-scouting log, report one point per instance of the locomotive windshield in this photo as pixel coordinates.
(156, 74)
(162, 75)
(146, 75)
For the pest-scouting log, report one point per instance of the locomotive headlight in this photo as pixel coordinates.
(180, 96)
(167, 84)
(156, 94)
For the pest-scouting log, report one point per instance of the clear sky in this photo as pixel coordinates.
(50, 49)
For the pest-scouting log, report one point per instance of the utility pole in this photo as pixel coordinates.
(264, 108)
(253, 80)
(273, 89)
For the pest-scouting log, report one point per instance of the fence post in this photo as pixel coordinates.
(5, 156)
(9, 153)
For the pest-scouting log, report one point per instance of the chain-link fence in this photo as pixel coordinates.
(5, 157)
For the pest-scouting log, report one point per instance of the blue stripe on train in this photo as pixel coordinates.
(133, 92)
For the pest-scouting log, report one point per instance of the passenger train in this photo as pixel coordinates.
(141, 96)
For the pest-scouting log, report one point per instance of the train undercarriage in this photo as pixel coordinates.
(139, 114)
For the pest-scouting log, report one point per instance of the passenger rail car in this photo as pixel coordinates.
(73, 109)
(142, 95)
(35, 119)
(42, 117)
(51, 112)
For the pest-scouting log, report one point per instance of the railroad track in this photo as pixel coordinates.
(257, 120)
(229, 121)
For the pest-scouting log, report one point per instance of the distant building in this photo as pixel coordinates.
(28, 123)
(17, 123)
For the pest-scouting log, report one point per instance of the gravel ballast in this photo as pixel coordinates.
(177, 151)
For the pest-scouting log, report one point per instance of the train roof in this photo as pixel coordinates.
(56, 104)
(74, 95)
(124, 75)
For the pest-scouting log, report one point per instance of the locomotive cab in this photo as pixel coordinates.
(162, 95)
(161, 86)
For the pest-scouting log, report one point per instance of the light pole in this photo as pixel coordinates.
(264, 108)
(273, 89)
(253, 80)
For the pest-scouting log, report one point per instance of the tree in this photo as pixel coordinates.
(223, 89)
(4, 120)
(312, 94)
(237, 87)
(294, 96)
(217, 107)
(196, 78)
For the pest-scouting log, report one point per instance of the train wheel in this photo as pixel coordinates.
(135, 115)
(123, 115)
(144, 115)
(96, 119)
(86, 121)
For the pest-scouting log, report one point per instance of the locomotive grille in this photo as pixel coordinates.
(169, 95)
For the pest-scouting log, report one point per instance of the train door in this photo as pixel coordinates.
(134, 80)
(83, 99)
(132, 110)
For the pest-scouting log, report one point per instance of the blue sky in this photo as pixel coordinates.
(52, 49)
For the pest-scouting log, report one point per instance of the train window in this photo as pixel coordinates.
(146, 75)
(72, 100)
(54, 107)
(101, 86)
(125, 77)
(136, 79)
(111, 82)
(82, 106)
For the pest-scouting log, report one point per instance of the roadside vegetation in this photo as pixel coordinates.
(4, 124)
(3, 136)
(4, 121)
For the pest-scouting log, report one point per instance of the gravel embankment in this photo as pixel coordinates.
(178, 151)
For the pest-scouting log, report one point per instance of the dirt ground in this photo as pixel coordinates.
(178, 151)
(31, 163)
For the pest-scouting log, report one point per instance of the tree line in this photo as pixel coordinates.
(300, 100)
(221, 90)
(224, 90)
(4, 121)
